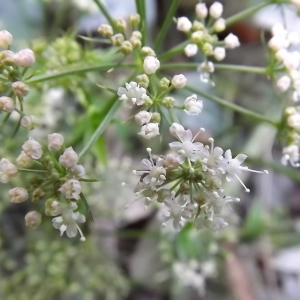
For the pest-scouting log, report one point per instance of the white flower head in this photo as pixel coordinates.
(151, 64)
(32, 149)
(7, 104)
(6, 39)
(216, 10)
(291, 154)
(149, 131)
(231, 41)
(69, 158)
(179, 81)
(71, 189)
(143, 117)
(24, 160)
(184, 24)
(132, 94)
(219, 53)
(201, 10)
(55, 141)
(192, 106)
(191, 50)
(7, 170)
(77, 171)
(24, 58)
(18, 195)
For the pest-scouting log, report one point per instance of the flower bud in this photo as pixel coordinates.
(69, 158)
(198, 26)
(219, 53)
(134, 20)
(201, 10)
(231, 41)
(117, 39)
(176, 130)
(184, 24)
(147, 51)
(38, 194)
(207, 49)
(147, 100)
(18, 195)
(190, 50)
(143, 117)
(151, 64)
(293, 38)
(197, 36)
(7, 170)
(171, 161)
(220, 25)
(135, 42)
(24, 58)
(105, 30)
(6, 104)
(294, 121)
(137, 34)
(24, 161)
(53, 207)
(168, 102)
(142, 80)
(216, 10)
(32, 149)
(20, 89)
(6, 39)
(164, 84)
(7, 58)
(33, 219)
(29, 122)
(179, 81)
(126, 47)
(77, 171)
(155, 117)
(283, 83)
(120, 24)
(277, 42)
(71, 189)
(55, 141)
(149, 131)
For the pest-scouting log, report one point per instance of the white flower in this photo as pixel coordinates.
(71, 189)
(216, 10)
(7, 170)
(277, 42)
(6, 104)
(68, 220)
(132, 94)
(219, 53)
(179, 81)
(281, 54)
(32, 149)
(173, 211)
(33, 219)
(77, 171)
(192, 106)
(283, 83)
(231, 41)
(190, 50)
(294, 121)
(69, 158)
(184, 24)
(291, 154)
(24, 58)
(220, 25)
(6, 39)
(201, 10)
(279, 30)
(151, 64)
(205, 69)
(55, 141)
(24, 160)
(29, 122)
(143, 117)
(176, 130)
(18, 195)
(149, 131)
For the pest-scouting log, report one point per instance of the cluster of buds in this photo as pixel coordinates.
(189, 181)
(202, 35)
(13, 67)
(55, 182)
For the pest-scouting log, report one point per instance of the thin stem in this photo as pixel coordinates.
(166, 24)
(31, 171)
(174, 51)
(141, 9)
(233, 107)
(106, 14)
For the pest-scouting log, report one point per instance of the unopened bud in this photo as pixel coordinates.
(117, 39)
(105, 30)
(55, 141)
(164, 84)
(147, 51)
(7, 58)
(6, 39)
(20, 89)
(220, 25)
(135, 42)
(134, 20)
(33, 219)
(198, 26)
(126, 47)
(137, 34)
(207, 49)
(6, 104)
(155, 117)
(179, 81)
(151, 64)
(168, 102)
(18, 195)
(197, 36)
(38, 194)
(24, 161)
(120, 24)
(142, 80)
(24, 58)
(201, 10)
(29, 122)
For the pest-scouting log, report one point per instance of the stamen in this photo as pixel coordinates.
(242, 183)
(149, 150)
(82, 239)
(211, 140)
(200, 131)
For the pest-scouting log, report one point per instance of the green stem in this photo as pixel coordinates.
(141, 9)
(174, 51)
(31, 171)
(233, 107)
(166, 24)
(106, 14)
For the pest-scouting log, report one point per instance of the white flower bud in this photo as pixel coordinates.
(143, 117)
(184, 24)
(117, 39)
(171, 161)
(294, 75)
(201, 10)
(277, 42)
(24, 161)
(33, 219)
(105, 30)
(6, 104)
(279, 30)
(190, 50)
(219, 53)
(283, 83)
(168, 102)
(134, 20)
(149, 131)
(294, 121)
(6, 39)
(193, 107)
(29, 122)
(55, 141)
(7, 170)
(71, 189)
(126, 47)
(151, 64)
(231, 41)
(220, 25)
(77, 171)
(18, 195)
(147, 51)
(20, 89)
(216, 10)
(69, 158)
(120, 24)
(197, 36)
(137, 34)
(176, 130)
(32, 149)
(7, 58)
(135, 42)
(292, 61)
(24, 58)
(281, 54)
(179, 81)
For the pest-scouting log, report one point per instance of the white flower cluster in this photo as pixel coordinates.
(188, 182)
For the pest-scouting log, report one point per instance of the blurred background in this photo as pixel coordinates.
(127, 255)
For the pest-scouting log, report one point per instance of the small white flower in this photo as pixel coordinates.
(216, 10)
(32, 149)
(220, 25)
(190, 50)
(283, 83)
(18, 195)
(55, 141)
(184, 24)
(24, 58)
(33, 219)
(77, 171)
(6, 104)
(29, 122)
(143, 117)
(201, 10)
(69, 158)
(7, 170)
(294, 121)
(176, 130)
(205, 69)
(173, 211)
(24, 160)
(277, 42)
(151, 64)
(71, 189)
(231, 41)
(291, 154)
(149, 131)
(179, 81)
(132, 94)
(192, 106)
(6, 39)
(219, 53)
